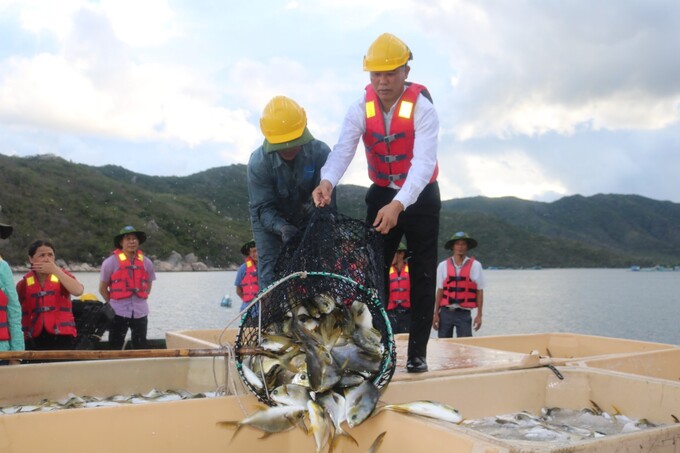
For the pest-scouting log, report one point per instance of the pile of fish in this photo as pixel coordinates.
(558, 425)
(74, 401)
(318, 367)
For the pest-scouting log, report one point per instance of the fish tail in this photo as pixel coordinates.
(347, 435)
(231, 424)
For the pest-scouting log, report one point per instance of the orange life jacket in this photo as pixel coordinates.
(400, 288)
(389, 156)
(4, 318)
(459, 289)
(45, 308)
(249, 281)
(130, 278)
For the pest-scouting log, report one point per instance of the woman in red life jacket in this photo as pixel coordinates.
(246, 276)
(399, 301)
(125, 282)
(460, 289)
(11, 337)
(45, 295)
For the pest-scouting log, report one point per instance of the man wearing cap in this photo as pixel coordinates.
(399, 300)
(460, 289)
(246, 276)
(11, 335)
(398, 125)
(125, 282)
(281, 176)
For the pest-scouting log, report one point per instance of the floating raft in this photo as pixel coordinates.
(478, 380)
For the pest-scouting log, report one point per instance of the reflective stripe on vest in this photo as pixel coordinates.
(130, 278)
(459, 289)
(46, 308)
(400, 288)
(389, 155)
(249, 281)
(4, 322)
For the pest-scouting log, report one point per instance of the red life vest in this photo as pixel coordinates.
(130, 278)
(389, 156)
(459, 289)
(4, 318)
(400, 288)
(249, 281)
(45, 308)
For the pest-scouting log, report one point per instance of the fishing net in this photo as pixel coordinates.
(336, 256)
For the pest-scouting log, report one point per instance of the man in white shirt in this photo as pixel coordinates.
(460, 289)
(399, 127)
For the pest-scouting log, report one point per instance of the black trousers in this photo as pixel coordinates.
(119, 329)
(400, 319)
(419, 223)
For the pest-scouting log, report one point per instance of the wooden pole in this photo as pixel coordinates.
(122, 354)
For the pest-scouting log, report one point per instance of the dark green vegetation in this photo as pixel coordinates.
(80, 208)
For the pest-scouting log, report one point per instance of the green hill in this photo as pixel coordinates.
(80, 208)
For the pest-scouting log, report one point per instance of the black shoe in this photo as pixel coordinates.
(416, 365)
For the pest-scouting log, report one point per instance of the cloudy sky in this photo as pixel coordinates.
(537, 99)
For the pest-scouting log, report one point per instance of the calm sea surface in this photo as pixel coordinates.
(607, 302)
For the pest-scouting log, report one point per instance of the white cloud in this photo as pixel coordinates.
(521, 88)
(529, 68)
(55, 17)
(499, 174)
(141, 23)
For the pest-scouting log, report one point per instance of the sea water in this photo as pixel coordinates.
(607, 302)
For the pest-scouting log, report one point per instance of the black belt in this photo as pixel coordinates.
(452, 308)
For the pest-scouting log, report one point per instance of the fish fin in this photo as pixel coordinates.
(377, 442)
(228, 424)
(616, 410)
(348, 436)
(675, 419)
(231, 424)
(597, 409)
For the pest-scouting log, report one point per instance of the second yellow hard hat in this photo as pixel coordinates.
(284, 124)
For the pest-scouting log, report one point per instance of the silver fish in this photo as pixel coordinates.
(322, 371)
(360, 402)
(335, 406)
(270, 420)
(361, 315)
(276, 343)
(291, 395)
(351, 357)
(429, 409)
(324, 303)
(369, 340)
(319, 425)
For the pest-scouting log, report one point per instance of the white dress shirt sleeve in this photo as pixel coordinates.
(353, 127)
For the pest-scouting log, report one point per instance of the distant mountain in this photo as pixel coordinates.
(80, 208)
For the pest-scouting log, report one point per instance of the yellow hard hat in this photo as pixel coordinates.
(386, 54)
(284, 124)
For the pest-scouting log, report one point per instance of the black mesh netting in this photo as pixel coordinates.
(334, 256)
